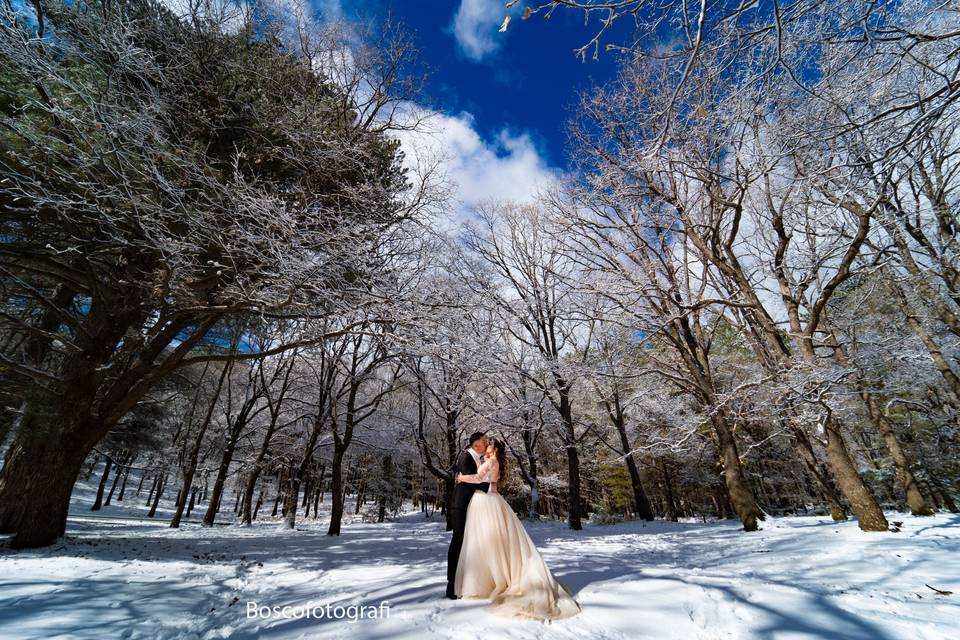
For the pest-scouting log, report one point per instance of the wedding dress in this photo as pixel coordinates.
(499, 561)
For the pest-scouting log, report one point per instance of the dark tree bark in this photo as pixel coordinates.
(156, 496)
(235, 430)
(126, 476)
(336, 492)
(38, 475)
(92, 399)
(143, 476)
(38, 517)
(290, 497)
(669, 503)
(190, 466)
(193, 501)
(119, 471)
(153, 488)
(386, 486)
(295, 477)
(821, 476)
(256, 509)
(574, 499)
(246, 516)
(103, 483)
(617, 416)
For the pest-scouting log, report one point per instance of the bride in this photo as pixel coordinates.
(499, 561)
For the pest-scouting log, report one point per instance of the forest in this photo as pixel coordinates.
(235, 285)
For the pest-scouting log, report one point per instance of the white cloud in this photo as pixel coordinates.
(475, 27)
(479, 170)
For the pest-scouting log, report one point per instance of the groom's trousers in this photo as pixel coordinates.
(459, 517)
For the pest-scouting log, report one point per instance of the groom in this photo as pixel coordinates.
(467, 464)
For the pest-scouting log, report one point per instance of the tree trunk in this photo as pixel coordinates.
(35, 486)
(126, 475)
(336, 491)
(531, 474)
(217, 494)
(386, 486)
(256, 509)
(737, 487)
(276, 501)
(143, 476)
(360, 498)
(116, 478)
(820, 475)
(670, 507)
(869, 515)
(901, 462)
(103, 483)
(574, 499)
(188, 473)
(307, 489)
(156, 496)
(936, 353)
(319, 497)
(246, 517)
(193, 501)
(943, 491)
(290, 500)
(153, 487)
(640, 501)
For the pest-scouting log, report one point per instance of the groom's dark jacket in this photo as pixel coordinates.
(464, 490)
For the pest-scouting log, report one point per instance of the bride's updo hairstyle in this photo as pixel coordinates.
(501, 450)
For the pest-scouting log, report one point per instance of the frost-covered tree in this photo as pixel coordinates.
(159, 176)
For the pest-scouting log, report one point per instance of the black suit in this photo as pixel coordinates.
(462, 493)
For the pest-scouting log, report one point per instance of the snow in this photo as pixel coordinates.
(120, 575)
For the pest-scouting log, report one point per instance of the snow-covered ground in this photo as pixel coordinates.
(121, 576)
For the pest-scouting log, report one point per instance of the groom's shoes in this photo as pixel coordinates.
(452, 596)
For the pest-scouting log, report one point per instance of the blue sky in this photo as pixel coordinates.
(515, 85)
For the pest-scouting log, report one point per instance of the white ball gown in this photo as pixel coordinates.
(500, 563)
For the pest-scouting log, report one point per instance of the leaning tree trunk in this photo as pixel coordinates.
(190, 469)
(119, 471)
(298, 474)
(126, 476)
(737, 487)
(869, 515)
(825, 483)
(901, 463)
(246, 516)
(217, 494)
(98, 502)
(156, 497)
(41, 467)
